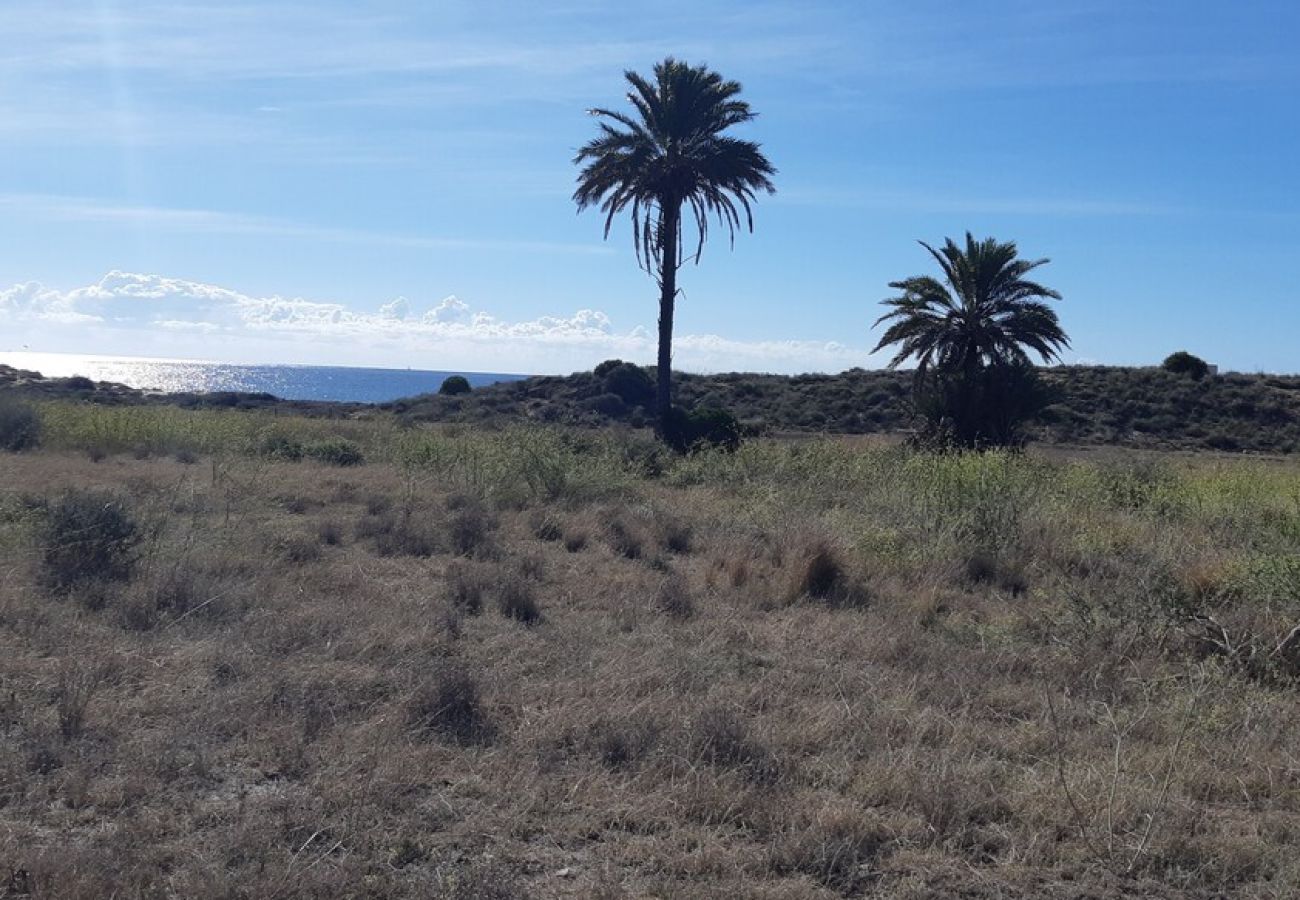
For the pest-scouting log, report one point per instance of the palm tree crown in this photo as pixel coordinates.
(671, 153)
(984, 312)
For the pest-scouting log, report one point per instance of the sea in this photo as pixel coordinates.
(340, 383)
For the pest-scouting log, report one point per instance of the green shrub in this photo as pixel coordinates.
(610, 405)
(702, 428)
(279, 446)
(631, 383)
(335, 451)
(987, 408)
(453, 385)
(87, 535)
(20, 425)
(1184, 363)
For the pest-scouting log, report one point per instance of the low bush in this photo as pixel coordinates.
(702, 429)
(630, 383)
(1184, 363)
(20, 426)
(453, 385)
(611, 405)
(274, 445)
(604, 368)
(88, 535)
(335, 452)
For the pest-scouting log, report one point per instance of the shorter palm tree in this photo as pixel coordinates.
(969, 332)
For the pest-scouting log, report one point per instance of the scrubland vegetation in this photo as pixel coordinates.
(249, 655)
(1087, 405)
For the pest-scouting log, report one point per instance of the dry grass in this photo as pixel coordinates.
(797, 672)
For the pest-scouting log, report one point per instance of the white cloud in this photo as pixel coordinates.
(125, 310)
(397, 310)
(451, 309)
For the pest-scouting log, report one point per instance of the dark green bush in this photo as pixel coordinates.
(20, 425)
(610, 405)
(631, 383)
(603, 369)
(335, 451)
(87, 535)
(1184, 363)
(80, 383)
(702, 428)
(987, 408)
(454, 384)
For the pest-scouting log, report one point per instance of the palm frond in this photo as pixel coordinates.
(670, 154)
(983, 312)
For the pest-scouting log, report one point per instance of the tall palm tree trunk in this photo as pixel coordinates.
(670, 225)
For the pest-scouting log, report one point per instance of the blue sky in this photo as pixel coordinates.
(388, 183)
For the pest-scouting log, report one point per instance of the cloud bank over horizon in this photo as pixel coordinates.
(136, 314)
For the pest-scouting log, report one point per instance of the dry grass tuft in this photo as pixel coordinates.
(546, 526)
(624, 538)
(823, 576)
(447, 703)
(397, 535)
(622, 744)
(470, 528)
(465, 584)
(515, 597)
(839, 847)
(674, 599)
(719, 737)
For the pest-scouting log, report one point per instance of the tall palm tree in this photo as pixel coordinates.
(971, 335)
(668, 154)
(984, 312)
